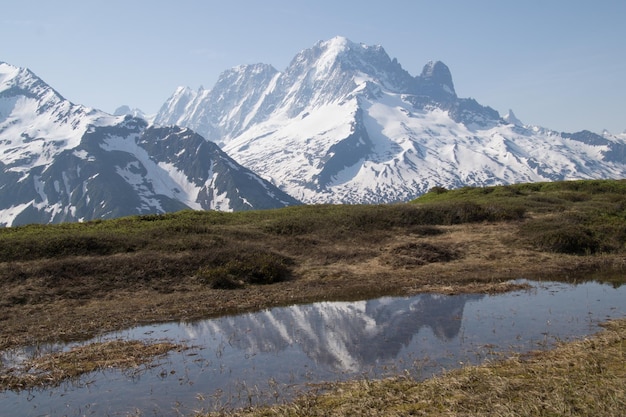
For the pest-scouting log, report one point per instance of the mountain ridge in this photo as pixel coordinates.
(345, 123)
(64, 162)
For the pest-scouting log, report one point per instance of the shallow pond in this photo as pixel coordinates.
(271, 355)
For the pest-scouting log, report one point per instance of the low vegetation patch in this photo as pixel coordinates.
(421, 253)
(562, 235)
(52, 369)
(255, 268)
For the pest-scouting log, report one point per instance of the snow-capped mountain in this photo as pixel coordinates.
(125, 110)
(345, 123)
(65, 162)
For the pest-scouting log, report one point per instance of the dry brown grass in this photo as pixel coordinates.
(75, 298)
(584, 378)
(52, 369)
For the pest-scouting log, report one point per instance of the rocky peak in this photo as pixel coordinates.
(436, 80)
(15, 81)
(512, 119)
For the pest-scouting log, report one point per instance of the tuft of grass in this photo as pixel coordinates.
(421, 253)
(52, 369)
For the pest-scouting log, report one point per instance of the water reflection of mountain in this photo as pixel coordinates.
(342, 335)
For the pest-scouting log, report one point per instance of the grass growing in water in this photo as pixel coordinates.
(52, 369)
(583, 378)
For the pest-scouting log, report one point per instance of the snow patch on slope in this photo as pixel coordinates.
(7, 216)
(293, 149)
(161, 179)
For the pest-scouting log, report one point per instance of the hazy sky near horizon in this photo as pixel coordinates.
(560, 64)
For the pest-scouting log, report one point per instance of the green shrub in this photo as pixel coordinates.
(438, 190)
(290, 226)
(256, 269)
(220, 278)
(565, 234)
(570, 240)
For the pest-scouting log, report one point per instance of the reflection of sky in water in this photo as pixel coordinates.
(249, 358)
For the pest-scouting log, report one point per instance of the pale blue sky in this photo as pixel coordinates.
(558, 64)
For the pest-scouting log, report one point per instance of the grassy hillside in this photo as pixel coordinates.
(580, 217)
(595, 208)
(75, 280)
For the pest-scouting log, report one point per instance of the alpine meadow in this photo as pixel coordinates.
(339, 237)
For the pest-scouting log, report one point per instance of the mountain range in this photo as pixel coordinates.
(343, 123)
(62, 162)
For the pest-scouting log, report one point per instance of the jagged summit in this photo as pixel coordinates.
(7, 72)
(340, 47)
(15, 80)
(36, 122)
(338, 43)
(224, 110)
(339, 55)
(10, 72)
